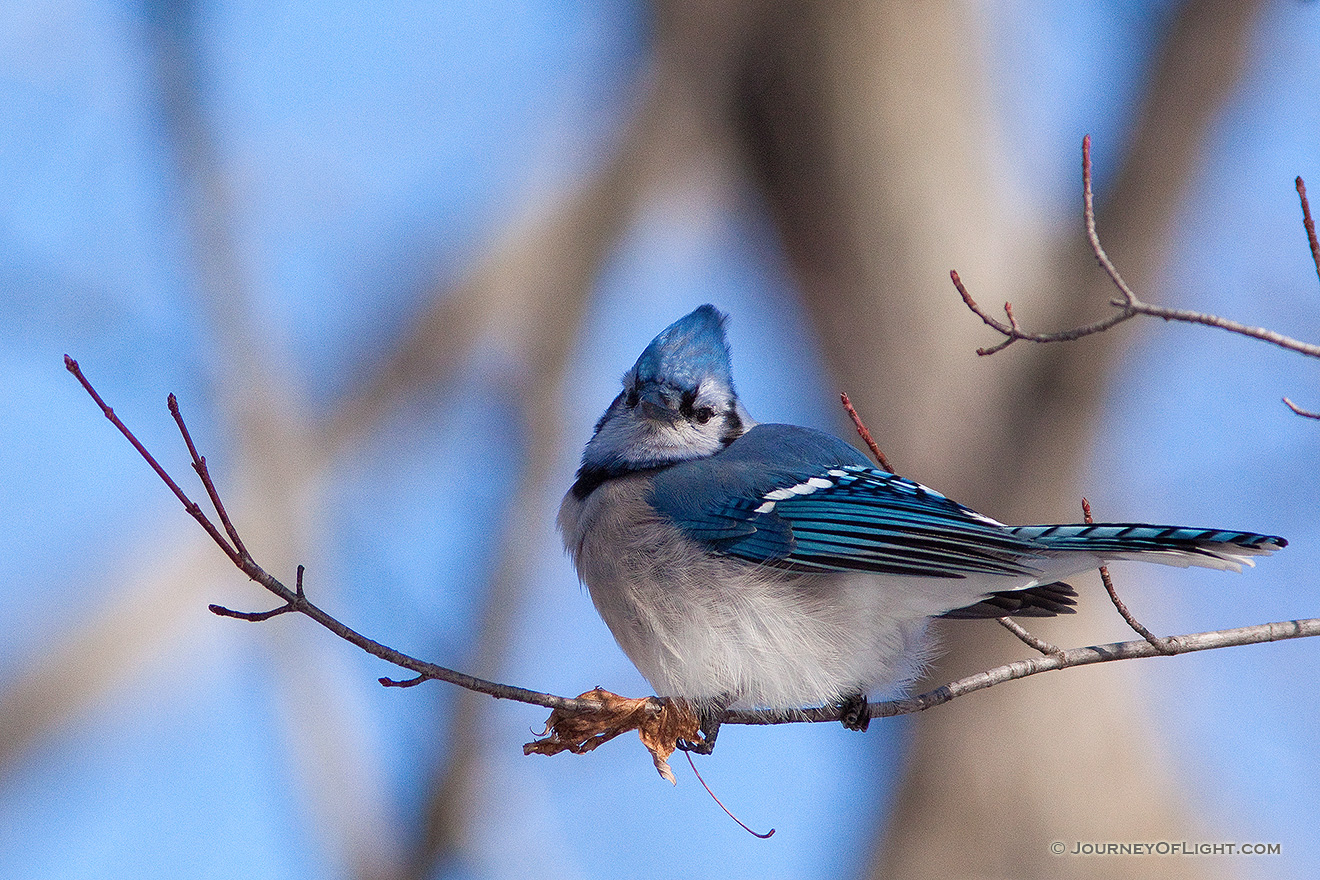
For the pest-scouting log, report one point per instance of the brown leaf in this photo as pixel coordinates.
(660, 722)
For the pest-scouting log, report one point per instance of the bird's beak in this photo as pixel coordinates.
(656, 405)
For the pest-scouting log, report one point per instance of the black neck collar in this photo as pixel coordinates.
(590, 478)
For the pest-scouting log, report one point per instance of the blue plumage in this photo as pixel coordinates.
(772, 565)
(689, 351)
(1140, 536)
(804, 499)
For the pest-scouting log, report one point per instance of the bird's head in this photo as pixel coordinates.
(677, 401)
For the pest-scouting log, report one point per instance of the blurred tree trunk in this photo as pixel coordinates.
(869, 130)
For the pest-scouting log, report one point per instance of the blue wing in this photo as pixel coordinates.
(803, 499)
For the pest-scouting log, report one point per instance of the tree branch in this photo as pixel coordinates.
(1027, 638)
(1305, 413)
(1129, 305)
(1309, 223)
(865, 433)
(296, 601)
(1156, 642)
(1114, 651)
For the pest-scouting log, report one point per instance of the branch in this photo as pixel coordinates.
(1129, 305)
(1186, 644)
(296, 602)
(1027, 638)
(1013, 331)
(1309, 223)
(1305, 413)
(865, 434)
(1157, 643)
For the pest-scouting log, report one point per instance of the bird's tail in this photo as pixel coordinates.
(1169, 545)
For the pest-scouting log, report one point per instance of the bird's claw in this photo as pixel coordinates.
(855, 712)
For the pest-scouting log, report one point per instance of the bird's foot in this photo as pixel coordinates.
(708, 716)
(855, 712)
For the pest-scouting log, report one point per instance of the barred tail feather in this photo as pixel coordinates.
(1167, 545)
(1045, 600)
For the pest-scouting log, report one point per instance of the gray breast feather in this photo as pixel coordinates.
(705, 626)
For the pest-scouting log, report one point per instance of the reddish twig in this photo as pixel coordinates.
(1158, 643)
(199, 465)
(257, 616)
(865, 434)
(1092, 236)
(251, 616)
(693, 764)
(1129, 305)
(193, 510)
(1309, 223)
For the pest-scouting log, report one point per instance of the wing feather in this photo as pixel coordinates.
(768, 498)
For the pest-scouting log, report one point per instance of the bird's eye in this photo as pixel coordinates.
(632, 398)
(703, 415)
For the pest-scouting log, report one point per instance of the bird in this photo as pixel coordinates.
(746, 565)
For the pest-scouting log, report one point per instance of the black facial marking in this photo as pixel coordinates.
(733, 427)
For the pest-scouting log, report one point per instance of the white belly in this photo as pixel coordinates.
(707, 627)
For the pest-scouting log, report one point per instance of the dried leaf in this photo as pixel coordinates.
(660, 723)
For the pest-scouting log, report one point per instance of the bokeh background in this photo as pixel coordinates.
(393, 257)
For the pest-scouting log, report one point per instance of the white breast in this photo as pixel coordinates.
(704, 626)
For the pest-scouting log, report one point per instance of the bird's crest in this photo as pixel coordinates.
(691, 349)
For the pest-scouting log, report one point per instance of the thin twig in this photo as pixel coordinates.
(1159, 643)
(253, 616)
(1018, 630)
(1301, 412)
(258, 616)
(199, 465)
(1013, 332)
(1093, 237)
(1129, 305)
(1309, 223)
(865, 434)
(193, 510)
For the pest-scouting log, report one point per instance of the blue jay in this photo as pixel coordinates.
(773, 566)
